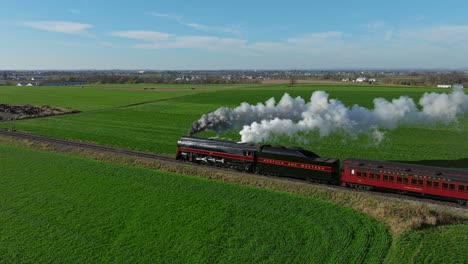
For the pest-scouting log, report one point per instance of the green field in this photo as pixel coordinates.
(445, 244)
(150, 86)
(156, 127)
(79, 98)
(87, 211)
(82, 211)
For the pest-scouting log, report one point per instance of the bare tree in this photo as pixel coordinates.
(292, 79)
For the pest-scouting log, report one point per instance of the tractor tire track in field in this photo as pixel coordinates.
(170, 159)
(140, 103)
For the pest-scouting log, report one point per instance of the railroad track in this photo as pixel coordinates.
(170, 159)
(85, 145)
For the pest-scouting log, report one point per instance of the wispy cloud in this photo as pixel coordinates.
(437, 34)
(174, 17)
(160, 40)
(75, 44)
(381, 48)
(59, 26)
(144, 35)
(229, 29)
(315, 37)
(196, 42)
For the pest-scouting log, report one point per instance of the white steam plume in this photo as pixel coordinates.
(292, 115)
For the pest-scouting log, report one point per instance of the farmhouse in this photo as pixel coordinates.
(361, 79)
(19, 84)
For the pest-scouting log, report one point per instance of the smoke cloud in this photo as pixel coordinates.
(290, 116)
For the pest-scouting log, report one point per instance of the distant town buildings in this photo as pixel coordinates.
(441, 79)
(50, 84)
(455, 86)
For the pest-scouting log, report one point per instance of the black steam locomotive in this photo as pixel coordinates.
(262, 159)
(292, 162)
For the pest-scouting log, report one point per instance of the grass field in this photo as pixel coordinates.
(166, 86)
(445, 244)
(89, 211)
(82, 211)
(79, 98)
(156, 127)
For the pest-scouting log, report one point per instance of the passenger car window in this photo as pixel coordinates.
(452, 186)
(444, 185)
(429, 183)
(436, 184)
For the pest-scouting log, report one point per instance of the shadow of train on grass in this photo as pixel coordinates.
(459, 163)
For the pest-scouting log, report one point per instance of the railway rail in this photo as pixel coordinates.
(170, 159)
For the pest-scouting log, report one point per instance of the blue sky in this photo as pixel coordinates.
(233, 34)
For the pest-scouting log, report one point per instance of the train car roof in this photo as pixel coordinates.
(408, 168)
(219, 142)
(296, 152)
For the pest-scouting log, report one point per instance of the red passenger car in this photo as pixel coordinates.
(443, 183)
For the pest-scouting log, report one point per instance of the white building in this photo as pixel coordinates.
(29, 84)
(372, 80)
(361, 79)
(444, 86)
(19, 84)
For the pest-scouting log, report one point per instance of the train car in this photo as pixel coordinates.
(435, 182)
(297, 163)
(219, 153)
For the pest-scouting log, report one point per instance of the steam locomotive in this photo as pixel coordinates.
(434, 182)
